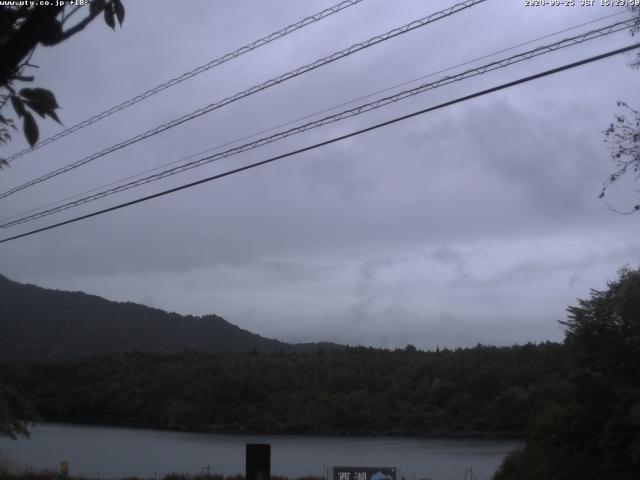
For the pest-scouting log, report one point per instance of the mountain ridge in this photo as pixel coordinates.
(39, 323)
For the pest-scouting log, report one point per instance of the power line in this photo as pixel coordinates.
(333, 140)
(305, 117)
(192, 73)
(505, 62)
(255, 89)
(334, 118)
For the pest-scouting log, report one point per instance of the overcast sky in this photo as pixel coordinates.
(478, 223)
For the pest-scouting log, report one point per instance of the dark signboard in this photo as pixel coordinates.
(364, 473)
(258, 461)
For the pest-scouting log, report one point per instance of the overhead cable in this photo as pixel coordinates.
(305, 117)
(255, 89)
(192, 73)
(330, 141)
(367, 107)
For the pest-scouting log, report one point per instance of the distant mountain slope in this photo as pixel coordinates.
(41, 324)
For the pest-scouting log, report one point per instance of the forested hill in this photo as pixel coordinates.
(42, 324)
(482, 391)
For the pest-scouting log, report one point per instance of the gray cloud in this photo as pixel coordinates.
(476, 223)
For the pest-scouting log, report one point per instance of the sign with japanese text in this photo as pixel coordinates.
(364, 473)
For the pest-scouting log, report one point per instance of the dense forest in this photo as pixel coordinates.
(482, 391)
(39, 323)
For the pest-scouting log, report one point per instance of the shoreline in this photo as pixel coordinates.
(476, 436)
(121, 452)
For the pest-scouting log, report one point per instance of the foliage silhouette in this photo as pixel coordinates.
(593, 430)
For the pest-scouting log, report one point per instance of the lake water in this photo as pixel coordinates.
(107, 452)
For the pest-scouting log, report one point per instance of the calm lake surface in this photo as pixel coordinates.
(108, 452)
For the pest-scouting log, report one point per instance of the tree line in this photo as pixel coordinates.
(482, 391)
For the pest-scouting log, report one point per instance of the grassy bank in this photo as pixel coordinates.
(51, 475)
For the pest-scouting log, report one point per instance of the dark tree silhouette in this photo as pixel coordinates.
(22, 30)
(593, 431)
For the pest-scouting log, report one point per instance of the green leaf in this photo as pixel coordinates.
(96, 6)
(30, 128)
(18, 106)
(41, 101)
(35, 107)
(108, 16)
(41, 96)
(40, 111)
(118, 7)
(53, 115)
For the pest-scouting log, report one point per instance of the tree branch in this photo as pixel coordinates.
(628, 212)
(78, 27)
(70, 14)
(21, 42)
